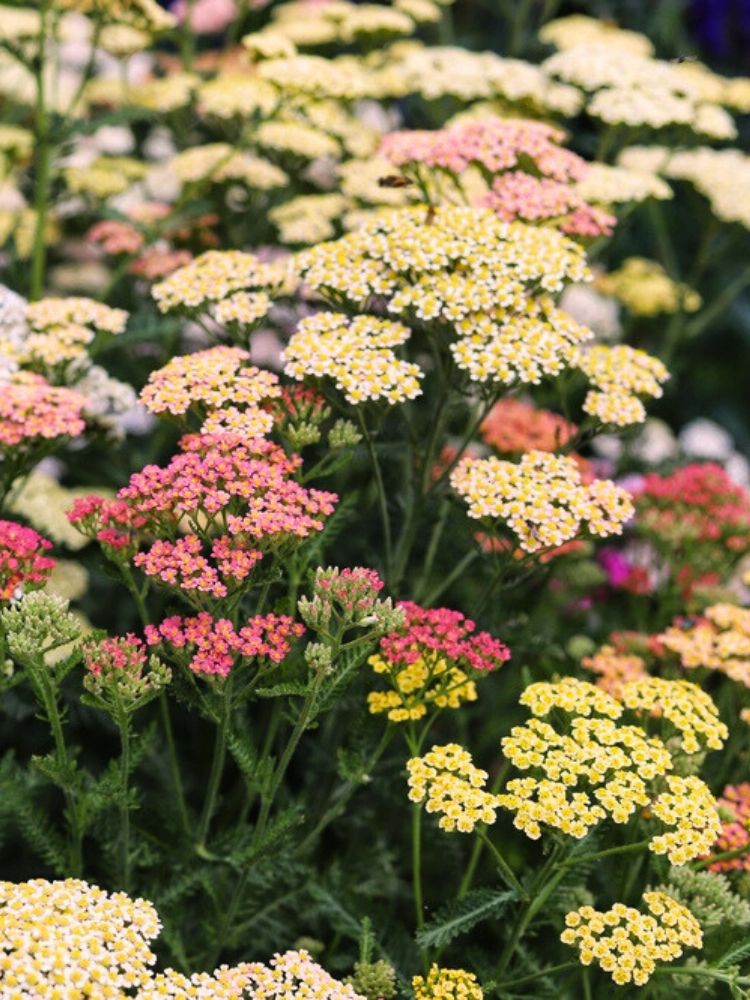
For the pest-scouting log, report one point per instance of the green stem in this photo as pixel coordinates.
(502, 864)
(337, 807)
(540, 892)
(174, 766)
(720, 303)
(416, 863)
(382, 498)
(187, 39)
(123, 724)
(461, 566)
(577, 859)
(550, 970)
(217, 766)
(43, 161)
(61, 753)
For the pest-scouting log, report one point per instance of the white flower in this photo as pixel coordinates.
(704, 438)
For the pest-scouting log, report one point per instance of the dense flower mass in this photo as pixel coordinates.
(58, 936)
(734, 838)
(719, 641)
(696, 505)
(629, 944)
(32, 412)
(683, 705)
(357, 354)
(212, 646)
(448, 783)
(23, 563)
(489, 283)
(122, 665)
(220, 386)
(212, 277)
(530, 175)
(645, 289)
(614, 668)
(431, 663)
(620, 375)
(542, 499)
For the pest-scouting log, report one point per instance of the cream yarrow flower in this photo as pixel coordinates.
(357, 354)
(220, 385)
(448, 783)
(542, 499)
(620, 376)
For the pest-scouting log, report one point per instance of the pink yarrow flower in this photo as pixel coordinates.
(443, 633)
(23, 564)
(213, 646)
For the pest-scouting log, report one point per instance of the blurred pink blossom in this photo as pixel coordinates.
(206, 16)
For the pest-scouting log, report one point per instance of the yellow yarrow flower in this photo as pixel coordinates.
(446, 780)
(447, 984)
(629, 944)
(428, 682)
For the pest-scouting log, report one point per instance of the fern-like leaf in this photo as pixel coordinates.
(461, 915)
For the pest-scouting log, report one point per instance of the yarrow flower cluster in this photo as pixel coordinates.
(23, 563)
(697, 514)
(226, 392)
(357, 354)
(215, 510)
(488, 283)
(614, 668)
(719, 641)
(599, 768)
(61, 329)
(542, 499)
(685, 706)
(515, 426)
(213, 646)
(645, 288)
(530, 174)
(212, 277)
(628, 944)
(58, 936)
(431, 662)
(33, 412)
(446, 984)
(621, 375)
(447, 781)
(687, 806)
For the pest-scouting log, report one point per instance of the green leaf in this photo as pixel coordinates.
(735, 954)
(289, 689)
(340, 918)
(461, 915)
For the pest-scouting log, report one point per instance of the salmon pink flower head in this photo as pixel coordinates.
(23, 564)
(734, 802)
(515, 426)
(32, 411)
(442, 633)
(213, 646)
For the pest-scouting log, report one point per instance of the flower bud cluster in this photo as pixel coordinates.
(120, 672)
(348, 598)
